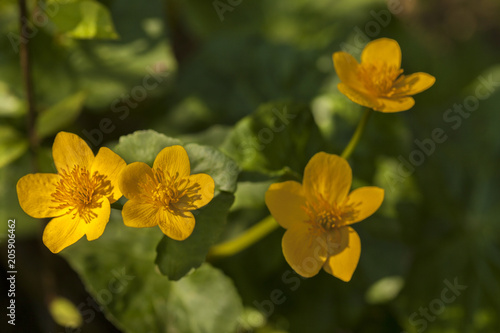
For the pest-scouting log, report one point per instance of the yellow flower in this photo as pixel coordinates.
(317, 215)
(166, 194)
(78, 197)
(378, 82)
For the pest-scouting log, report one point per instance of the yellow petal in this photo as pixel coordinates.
(66, 230)
(347, 69)
(173, 159)
(365, 200)
(328, 176)
(394, 105)
(63, 231)
(138, 214)
(285, 201)
(70, 150)
(34, 194)
(383, 50)
(303, 251)
(357, 96)
(109, 164)
(177, 226)
(203, 196)
(343, 263)
(414, 83)
(96, 226)
(132, 176)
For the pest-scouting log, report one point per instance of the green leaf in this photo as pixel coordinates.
(84, 19)
(208, 289)
(143, 146)
(206, 159)
(214, 135)
(12, 145)
(176, 258)
(60, 115)
(11, 105)
(251, 195)
(119, 272)
(277, 135)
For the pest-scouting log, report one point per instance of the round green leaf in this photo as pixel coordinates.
(275, 136)
(119, 272)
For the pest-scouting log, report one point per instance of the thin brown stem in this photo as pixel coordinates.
(24, 57)
(47, 278)
(183, 42)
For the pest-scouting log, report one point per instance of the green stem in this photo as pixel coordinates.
(357, 135)
(243, 241)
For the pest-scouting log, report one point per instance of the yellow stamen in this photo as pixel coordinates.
(379, 78)
(80, 192)
(170, 192)
(324, 216)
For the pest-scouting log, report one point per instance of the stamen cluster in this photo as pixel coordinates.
(168, 191)
(324, 216)
(379, 78)
(80, 192)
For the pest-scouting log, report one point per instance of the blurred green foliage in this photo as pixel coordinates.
(105, 69)
(119, 272)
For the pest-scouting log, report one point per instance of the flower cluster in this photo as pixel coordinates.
(317, 213)
(79, 196)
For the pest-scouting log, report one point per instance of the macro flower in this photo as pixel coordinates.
(317, 215)
(166, 194)
(377, 82)
(78, 197)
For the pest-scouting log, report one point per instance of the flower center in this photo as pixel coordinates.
(379, 78)
(80, 192)
(324, 216)
(170, 191)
